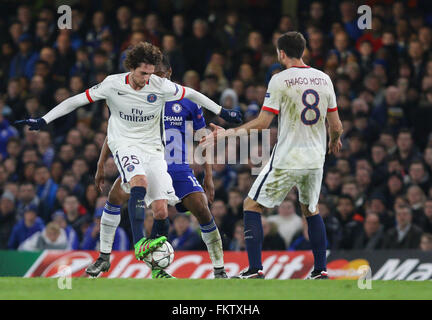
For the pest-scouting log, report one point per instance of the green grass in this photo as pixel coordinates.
(187, 289)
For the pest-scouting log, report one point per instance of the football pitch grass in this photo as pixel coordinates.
(221, 289)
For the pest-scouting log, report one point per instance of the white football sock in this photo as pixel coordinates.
(109, 223)
(212, 239)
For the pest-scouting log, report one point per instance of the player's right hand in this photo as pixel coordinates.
(34, 124)
(99, 177)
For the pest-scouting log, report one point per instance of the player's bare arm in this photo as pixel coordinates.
(335, 132)
(263, 121)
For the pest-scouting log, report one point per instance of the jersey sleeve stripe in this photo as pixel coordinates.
(183, 94)
(332, 109)
(88, 96)
(270, 110)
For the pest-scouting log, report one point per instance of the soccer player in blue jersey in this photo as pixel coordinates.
(186, 186)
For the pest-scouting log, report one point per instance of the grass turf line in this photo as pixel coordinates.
(197, 289)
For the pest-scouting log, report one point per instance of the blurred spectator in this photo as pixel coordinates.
(6, 133)
(76, 219)
(25, 228)
(350, 221)
(45, 148)
(377, 205)
(91, 236)
(51, 237)
(332, 225)
(426, 242)
(407, 151)
(271, 237)
(287, 221)
(416, 199)
(427, 223)
(405, 235)
(183, 237)
(233, 32)
(27, 197)
(46, 190)
(7, 217)
(175, 56)
(238, 242)
(59, 217)
(301, 239)
(23, 62)
(372, 235)
(198, 48)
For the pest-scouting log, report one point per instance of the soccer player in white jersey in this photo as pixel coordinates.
(136, 101)
(302, 98)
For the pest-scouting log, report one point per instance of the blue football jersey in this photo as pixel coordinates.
(177, 115)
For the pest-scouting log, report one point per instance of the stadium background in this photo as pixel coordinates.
(376, 194)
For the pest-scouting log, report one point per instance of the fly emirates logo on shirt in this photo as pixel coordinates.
(136, 116)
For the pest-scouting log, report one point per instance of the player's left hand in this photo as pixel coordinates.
(209, 188)
(231, 115)
(34, 124)
(212, 137)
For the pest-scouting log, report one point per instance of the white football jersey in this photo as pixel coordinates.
(136, 117)
(301, 96)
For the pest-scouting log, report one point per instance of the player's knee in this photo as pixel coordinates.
(202, 213)
(117, 196)
(306, 212)
(138, 181)
(251, 205)
(160, 209)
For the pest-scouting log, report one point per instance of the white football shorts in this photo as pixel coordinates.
(272, 186)
(139, 160)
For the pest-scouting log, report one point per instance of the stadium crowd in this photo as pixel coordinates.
(376, 194)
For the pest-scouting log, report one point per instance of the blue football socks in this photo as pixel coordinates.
(318, 240)
(253, 233)
(136, 211)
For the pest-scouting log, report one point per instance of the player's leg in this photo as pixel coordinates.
(160, 215)
(309, 187)
(136, 208)
(197, 203)
(269, 189)
(160, 194)
(109, 223)
(160, 229)
(133, 164)
(253, 233)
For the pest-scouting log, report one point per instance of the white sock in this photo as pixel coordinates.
(109, 223)
(212, 239)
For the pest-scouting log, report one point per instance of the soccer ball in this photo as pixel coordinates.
(161, 258)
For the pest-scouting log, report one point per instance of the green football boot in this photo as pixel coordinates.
(161, 274)
(145, 246)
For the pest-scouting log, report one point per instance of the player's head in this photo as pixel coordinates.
(290, 45)
(163, 69)
(141, 60)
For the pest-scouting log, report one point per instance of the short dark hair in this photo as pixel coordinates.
(292, 43)
(143, 52)
(165, 64)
